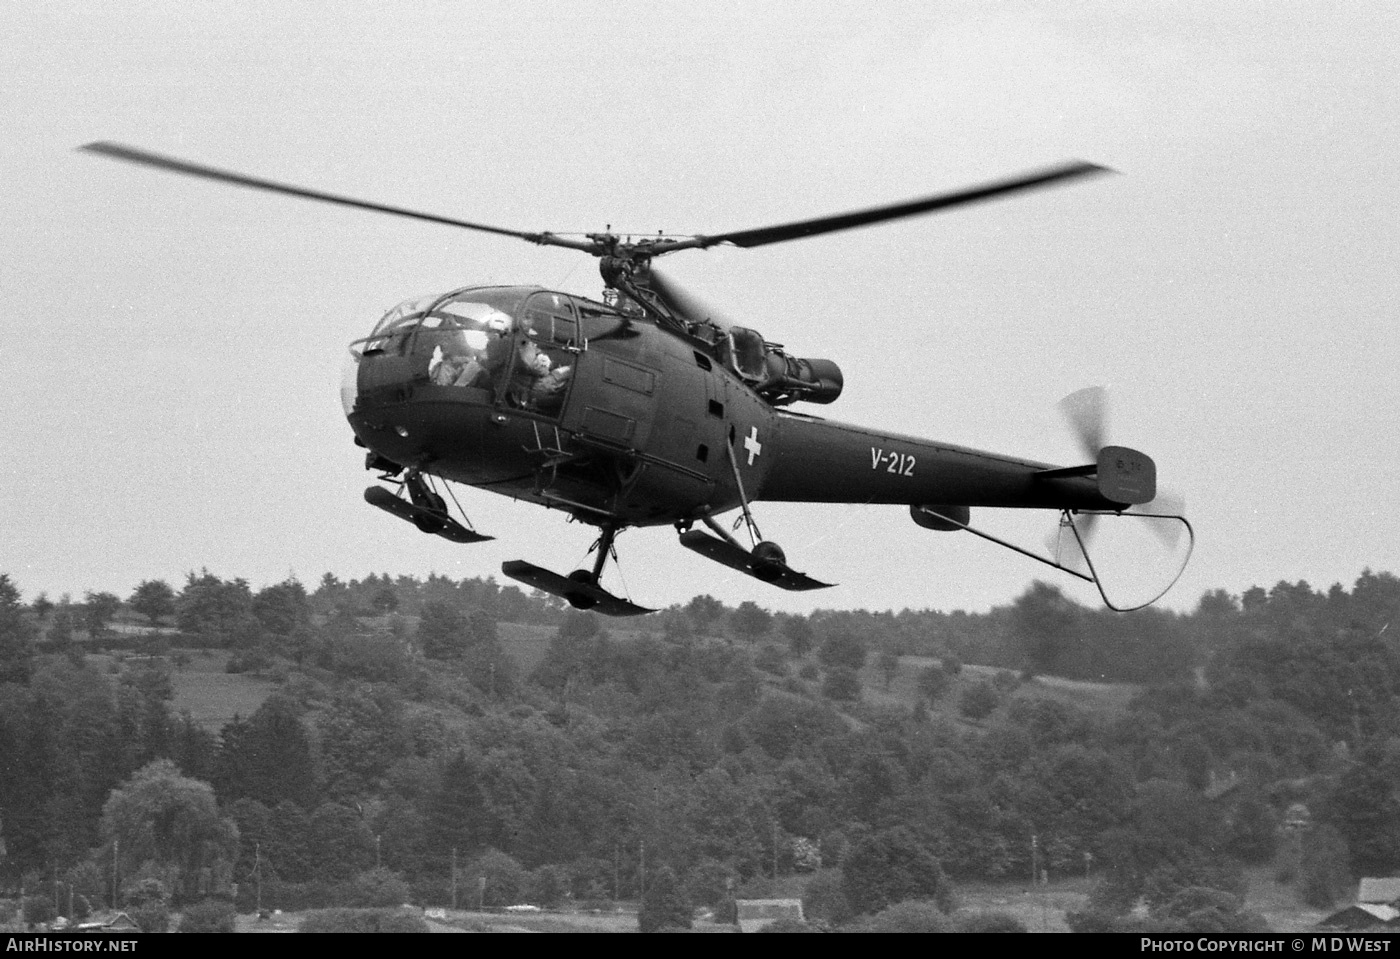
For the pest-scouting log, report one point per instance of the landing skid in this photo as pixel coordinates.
(427, 520)
(736, 557)
(578, 592)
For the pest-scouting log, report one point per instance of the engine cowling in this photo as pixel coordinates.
(794, 378)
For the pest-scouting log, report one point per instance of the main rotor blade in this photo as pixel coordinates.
(1087, 412)
(128, 154)
(928, 204)
(684, 303)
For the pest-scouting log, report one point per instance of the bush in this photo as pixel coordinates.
(363, 920)
(912, 917)
(989, 922)
(824, 901)
(378, 887)
(933, 683)
(979, 701)
(841, 684)
(890, 867)
(788, 925)
(39, 909)
(771, 659)
(248, 661)
(1090, 920)
(211, 915)
(1005, 680)
(151, 916)
(664, 906)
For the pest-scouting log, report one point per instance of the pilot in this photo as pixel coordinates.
(547, 393)
(462, 367)
(534, 383)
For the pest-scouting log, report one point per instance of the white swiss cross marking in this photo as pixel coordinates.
(752, 444)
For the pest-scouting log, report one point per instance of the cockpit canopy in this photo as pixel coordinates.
(517, 345)
(477, 314)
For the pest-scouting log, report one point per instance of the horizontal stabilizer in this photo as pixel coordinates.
(578, 593)
(429, 521)
(735, 557)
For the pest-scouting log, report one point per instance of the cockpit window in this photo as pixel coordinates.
(546, 351)
(466, 338)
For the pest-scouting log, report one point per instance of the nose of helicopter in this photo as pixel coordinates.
(350, 381)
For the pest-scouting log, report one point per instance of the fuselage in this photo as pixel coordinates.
(575, 405)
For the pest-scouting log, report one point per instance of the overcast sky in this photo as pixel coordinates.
(172, 347)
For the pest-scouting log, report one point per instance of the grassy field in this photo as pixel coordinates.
(210, 695)
(1104, 698)
(466, 921)
(525, 643)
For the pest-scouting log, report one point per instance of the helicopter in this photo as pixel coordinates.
(647, 408)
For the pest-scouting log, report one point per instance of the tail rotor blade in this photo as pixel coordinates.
(1087, 412)
(1167, 504)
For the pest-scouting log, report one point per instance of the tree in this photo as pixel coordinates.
(162, 817)
(842, 648)
(500, 879)
(979, 700)
(442, 631)
(933, 682)
(458, 817)
(100, 608)
(841, 684)
(800, 635)
(17, 635)
(663, 904)
(704, 611)
(1325, 871)
(219, 610)
(751, 620)
(341, 845)
(268, 757)
(385, 601)
(1044, 623)
(154, 599)
(362, 734)
(888, 662)
(892, 866)
(283, 610)
(1365, 809)
(42, 606)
